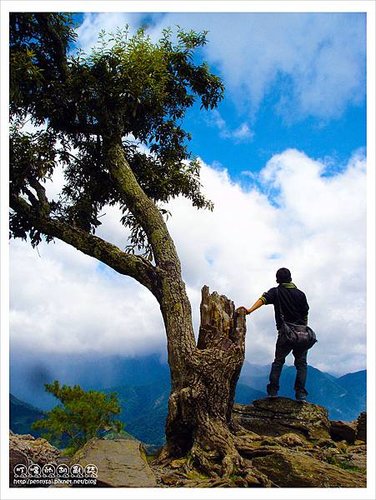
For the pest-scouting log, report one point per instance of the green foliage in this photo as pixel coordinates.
(81, 416)
(38, 44)
(33, 157)
(129, 88)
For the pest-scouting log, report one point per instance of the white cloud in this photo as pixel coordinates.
(94, 23)
(316, 60)
(317, 230)
(64, 301)
(243, 133)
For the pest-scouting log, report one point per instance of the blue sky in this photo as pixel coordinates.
(283, 159)
(273, 119)
(335, 139)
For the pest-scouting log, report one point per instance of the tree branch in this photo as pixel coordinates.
(130, 265)
(143, 208)
(41, 193)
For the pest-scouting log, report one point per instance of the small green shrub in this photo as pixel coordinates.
(81, 416)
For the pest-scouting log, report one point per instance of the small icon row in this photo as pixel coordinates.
(50, 470)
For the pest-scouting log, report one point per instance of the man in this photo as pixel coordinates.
(295, 308)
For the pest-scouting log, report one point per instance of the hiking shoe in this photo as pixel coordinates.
(301, 398)
(272, 395)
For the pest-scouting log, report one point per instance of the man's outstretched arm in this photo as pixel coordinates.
(255, 306)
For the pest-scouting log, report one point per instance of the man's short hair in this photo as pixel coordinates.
(283, 275)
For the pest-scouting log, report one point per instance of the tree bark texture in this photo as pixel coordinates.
(200, 405)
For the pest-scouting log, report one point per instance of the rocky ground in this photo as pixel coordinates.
(292, 445)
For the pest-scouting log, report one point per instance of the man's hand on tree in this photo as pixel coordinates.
(242, 309)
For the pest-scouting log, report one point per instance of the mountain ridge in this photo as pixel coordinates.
(22, 415)
(144, 395)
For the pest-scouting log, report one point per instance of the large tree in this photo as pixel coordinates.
(112, 120)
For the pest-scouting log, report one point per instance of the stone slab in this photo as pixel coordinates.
(121, 463)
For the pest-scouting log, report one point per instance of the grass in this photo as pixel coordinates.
(343, 464)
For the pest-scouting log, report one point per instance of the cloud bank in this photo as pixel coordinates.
(292, 215)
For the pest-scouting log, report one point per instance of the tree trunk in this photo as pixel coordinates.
(203, 376)
(200, 404)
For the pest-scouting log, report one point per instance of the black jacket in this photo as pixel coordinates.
(293, 302)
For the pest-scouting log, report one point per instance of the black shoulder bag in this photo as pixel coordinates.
(297, 336)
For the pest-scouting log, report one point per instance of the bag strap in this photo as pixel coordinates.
(280, 306)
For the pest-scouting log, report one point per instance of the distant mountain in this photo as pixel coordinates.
(255, 376)
(144, 410)
(22, 415)
(246, 395)
(334, 394)
(28, 374)
(355, 383)
(143, 386)
(344, 397)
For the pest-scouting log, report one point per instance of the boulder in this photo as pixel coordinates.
(278, 416)
(293, 469)
(291, 440)
(121, 463)
(356, 456)
(25, 449)
(343, 431)
(361, 425)
(37, 450)
(16, 457)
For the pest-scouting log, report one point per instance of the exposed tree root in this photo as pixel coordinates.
(213, 463)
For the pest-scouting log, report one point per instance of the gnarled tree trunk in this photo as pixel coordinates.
(200, 404)
(203, 375)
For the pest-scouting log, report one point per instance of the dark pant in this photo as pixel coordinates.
(282, 349)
